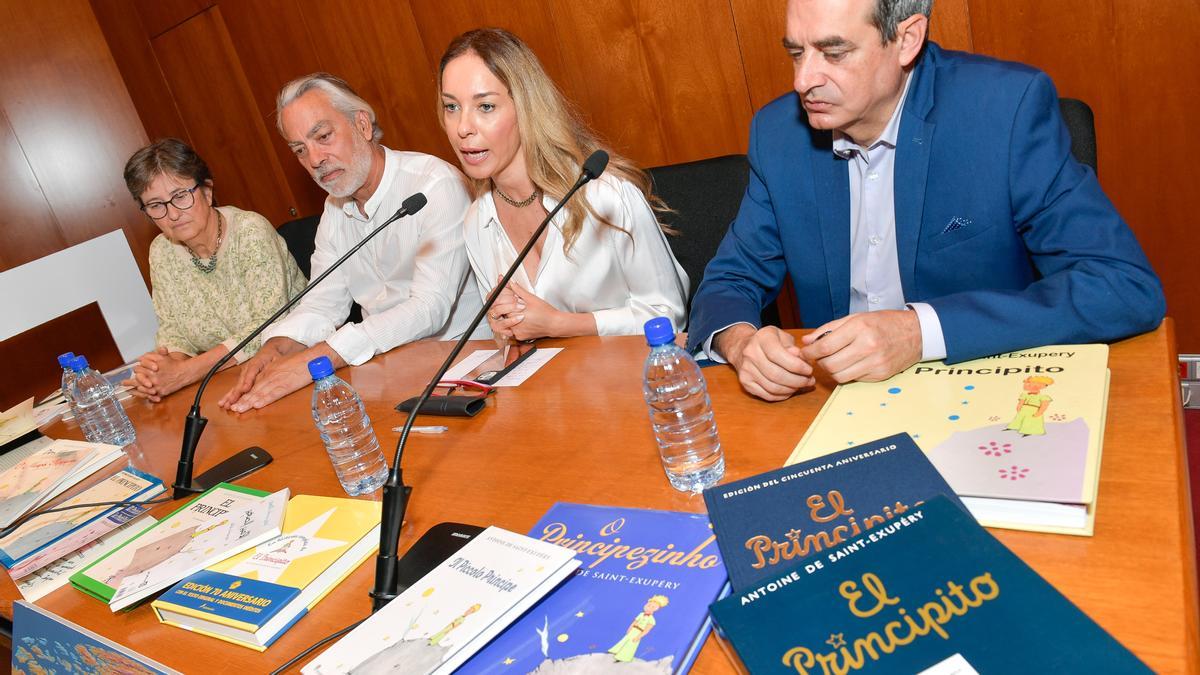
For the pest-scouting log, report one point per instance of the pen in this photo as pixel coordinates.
(436, 429)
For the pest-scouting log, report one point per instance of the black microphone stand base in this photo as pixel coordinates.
(244, 463)
(433, 548)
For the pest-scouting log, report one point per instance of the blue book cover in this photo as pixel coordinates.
(637, 603)
(930, 592)
(768, 522)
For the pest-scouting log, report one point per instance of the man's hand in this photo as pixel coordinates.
(868, 346)
(268, 353)
(768, 362)
(283, 376)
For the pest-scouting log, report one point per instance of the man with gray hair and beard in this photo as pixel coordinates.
(412, 281)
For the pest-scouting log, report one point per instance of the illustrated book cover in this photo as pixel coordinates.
(41, 582)
(225, 520)
(40, 541)
(931, 592)
(637, 604)
(438, 622)
(768, 522)
(251, 598)
(1018, 435)
(44, 642)
(47, 473)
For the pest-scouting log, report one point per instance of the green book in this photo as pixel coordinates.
(224, 521)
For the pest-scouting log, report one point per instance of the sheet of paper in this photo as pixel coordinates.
(17, 421)
(516, 376)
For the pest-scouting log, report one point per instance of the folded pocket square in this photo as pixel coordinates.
(956, 223)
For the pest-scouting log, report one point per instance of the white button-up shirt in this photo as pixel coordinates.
(623, 278)
(412, 280)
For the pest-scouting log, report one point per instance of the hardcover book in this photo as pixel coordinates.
(225, 520)
(48, 473)
(1018, 436)
(637, 604)
(254, 597)
(454, 610)
(46, 643)
(44, 539)
(931, 592)
(768, 522)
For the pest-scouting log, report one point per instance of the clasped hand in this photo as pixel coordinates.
(159, 373)
(867, 346)
(520, 315)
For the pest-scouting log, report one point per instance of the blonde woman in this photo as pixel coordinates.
(603, 267)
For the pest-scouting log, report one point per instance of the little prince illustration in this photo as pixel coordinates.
(1031, 407)
(638, 629)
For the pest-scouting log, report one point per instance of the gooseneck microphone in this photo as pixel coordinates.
(395, 493)
(253, 459)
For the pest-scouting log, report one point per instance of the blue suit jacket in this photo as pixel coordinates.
(998, 227)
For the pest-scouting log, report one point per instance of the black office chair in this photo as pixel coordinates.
(1081, 124)
(300, 236)
(705, 196)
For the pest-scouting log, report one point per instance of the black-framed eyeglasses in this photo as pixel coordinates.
(180, 200)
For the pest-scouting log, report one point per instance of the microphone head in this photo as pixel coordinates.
(594, 165)
(416, 202)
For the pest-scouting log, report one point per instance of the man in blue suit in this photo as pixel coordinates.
(926, 205)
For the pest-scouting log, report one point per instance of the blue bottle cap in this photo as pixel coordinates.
(320, 367)
(64, 360)
(79, 364)
(659, 331)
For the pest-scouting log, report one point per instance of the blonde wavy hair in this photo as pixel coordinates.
(554, 138)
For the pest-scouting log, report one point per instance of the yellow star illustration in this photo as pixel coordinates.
(836, 640)
(578, 614)
(508, 661)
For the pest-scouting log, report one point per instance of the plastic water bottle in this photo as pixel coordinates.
(96, 407)
(68, 376)
(346, 431)
(680, 412)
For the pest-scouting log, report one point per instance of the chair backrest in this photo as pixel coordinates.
(301, 238)
(1081, 124)
(705, 196)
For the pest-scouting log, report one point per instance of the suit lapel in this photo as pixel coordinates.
(913, 143)
(831, 186)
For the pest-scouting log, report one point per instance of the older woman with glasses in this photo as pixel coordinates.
(216, 272)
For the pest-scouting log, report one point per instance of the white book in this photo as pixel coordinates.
(452, 612)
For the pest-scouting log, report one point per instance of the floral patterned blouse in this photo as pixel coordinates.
(255, 275)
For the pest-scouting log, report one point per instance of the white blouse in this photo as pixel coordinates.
(622, 278)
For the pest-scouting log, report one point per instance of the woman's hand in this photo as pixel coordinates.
(508, 311)
(159, 373)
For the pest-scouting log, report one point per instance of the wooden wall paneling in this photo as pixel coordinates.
(695, 72)
(440, 21)
(28, 230)
(608, 76)
(68, 107)
(130, 46)
(159, 16)
(273, 47)
(377, 48)
(950, 24)
(760, 28)
(1154, 142)
(223, 121)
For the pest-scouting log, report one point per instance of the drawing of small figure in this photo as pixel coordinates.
(1031, 407)
(441, 635)
(638, 629)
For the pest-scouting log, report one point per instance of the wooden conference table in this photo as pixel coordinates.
(578, 431)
